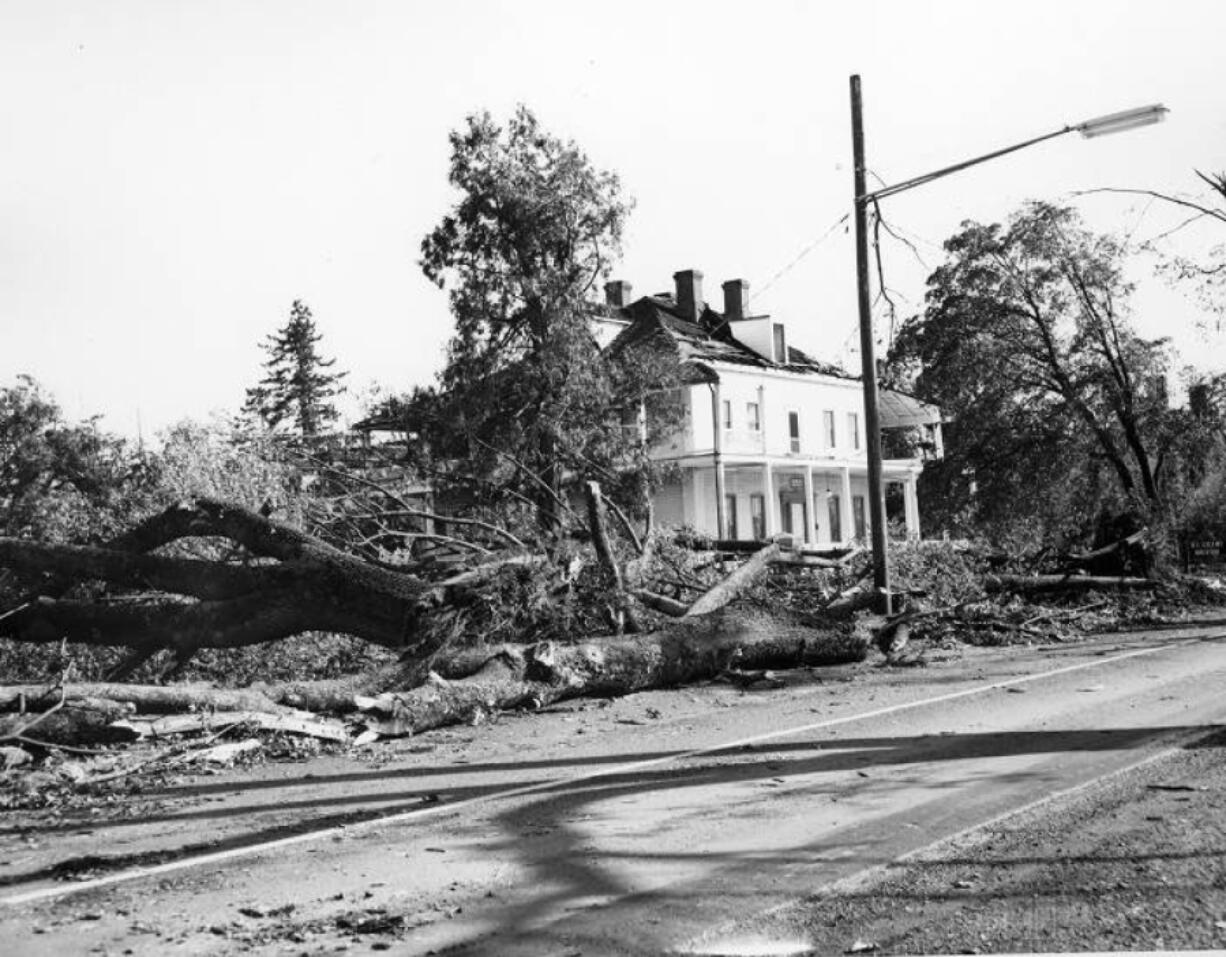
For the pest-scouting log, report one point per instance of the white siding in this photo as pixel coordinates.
(777, 395)
(670, 503)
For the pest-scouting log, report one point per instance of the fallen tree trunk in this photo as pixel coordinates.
(291, 583)
(692, 649)
(1036, 584)
(149, 699)
(479, 682)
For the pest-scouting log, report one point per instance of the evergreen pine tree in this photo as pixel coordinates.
(296, 388)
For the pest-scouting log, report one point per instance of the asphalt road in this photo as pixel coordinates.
(646, 826)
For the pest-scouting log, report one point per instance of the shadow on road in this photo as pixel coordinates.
(561, 857)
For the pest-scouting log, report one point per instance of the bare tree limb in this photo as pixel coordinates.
(735, 583)
(626, 525)
(1217, 214)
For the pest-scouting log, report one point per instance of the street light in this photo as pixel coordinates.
(1099, 126)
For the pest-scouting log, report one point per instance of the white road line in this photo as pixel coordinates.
(437, 810)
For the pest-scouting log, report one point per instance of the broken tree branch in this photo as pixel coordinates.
(624, 615)
(1036, 584)
(744, 576)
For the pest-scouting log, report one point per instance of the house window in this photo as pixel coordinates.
(730, 515)
(853, 429)
(857, 512)
(794, 431)
(781, 350)
(727, 413)
(752, 417)
(828, 429)
(757, 515)
(836, 524)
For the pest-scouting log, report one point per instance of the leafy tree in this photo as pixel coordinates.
(526, 395)
(61, 481)
(1058, 408)
(213, 460)
(297, 388)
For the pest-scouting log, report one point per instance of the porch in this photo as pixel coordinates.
(825, 505)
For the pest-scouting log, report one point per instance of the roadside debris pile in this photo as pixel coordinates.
(953, 592)
(79, 749)
(604, 616)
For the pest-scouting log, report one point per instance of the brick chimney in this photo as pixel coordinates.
(736, 299)
(617, 293)
(689, 293)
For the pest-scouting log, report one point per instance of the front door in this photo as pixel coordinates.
(796, 520)
(836, 519)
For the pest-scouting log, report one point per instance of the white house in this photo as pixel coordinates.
(773, 441)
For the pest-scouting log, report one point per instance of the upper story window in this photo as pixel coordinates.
(794, 431)
(727, 413)
(828, 433)
(853, 429)
(753, 417)
(780, 343)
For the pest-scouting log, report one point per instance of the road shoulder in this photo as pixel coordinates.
(1134, 861)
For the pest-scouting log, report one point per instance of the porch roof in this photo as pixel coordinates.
(899, 410)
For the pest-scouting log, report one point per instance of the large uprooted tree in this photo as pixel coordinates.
(526, 400)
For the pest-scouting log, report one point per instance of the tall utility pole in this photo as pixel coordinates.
(868, 361)
(1098, 126)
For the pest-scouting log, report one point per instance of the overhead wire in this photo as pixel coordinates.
(801, 255)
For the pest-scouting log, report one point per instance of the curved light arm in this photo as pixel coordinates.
(1099, 126)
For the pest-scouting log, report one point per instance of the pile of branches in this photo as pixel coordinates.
(959, 592)
(604, 622)
(499, 622)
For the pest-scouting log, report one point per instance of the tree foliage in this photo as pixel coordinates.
(61, 481)
(526, 395)
(297, 388)
(1058, 408)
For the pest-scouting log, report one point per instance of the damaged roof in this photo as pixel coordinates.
(710, 339)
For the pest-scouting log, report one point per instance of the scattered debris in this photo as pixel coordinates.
(302, 722)
(225, 753)
(257, 911)
(12, 757)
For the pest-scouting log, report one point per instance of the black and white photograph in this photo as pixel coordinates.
(572, 479)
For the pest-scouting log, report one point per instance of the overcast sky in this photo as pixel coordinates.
(174, 174)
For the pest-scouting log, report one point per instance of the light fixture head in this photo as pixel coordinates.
(1119, 122)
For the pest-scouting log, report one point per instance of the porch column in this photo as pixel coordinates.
(847, 514)
(810, 536)
(911, 503)
(768, 492)
(717, 462)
